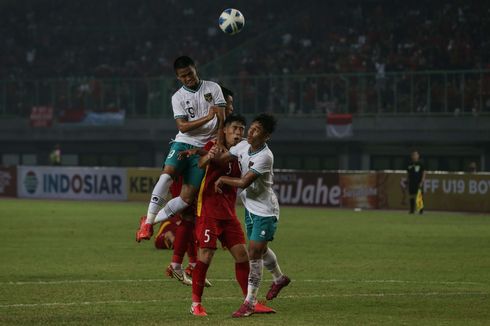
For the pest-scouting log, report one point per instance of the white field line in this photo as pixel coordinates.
(54, 282)
(347, 295)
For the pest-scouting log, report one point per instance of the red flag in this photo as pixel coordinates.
(339, 125)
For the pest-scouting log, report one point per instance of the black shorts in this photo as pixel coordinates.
(413, 189)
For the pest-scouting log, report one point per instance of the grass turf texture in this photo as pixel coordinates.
(68, 262)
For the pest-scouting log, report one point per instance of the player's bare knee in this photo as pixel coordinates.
(206, 255)
(254, 253)
(256, 249)
(170, 170)
(239, 253)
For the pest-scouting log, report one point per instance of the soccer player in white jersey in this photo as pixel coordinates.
(198, 108)
(261, 207)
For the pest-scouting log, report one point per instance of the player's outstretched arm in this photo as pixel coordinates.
(185, 126)
(220, 113)
(242, 182)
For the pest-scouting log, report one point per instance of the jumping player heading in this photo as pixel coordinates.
(198, 108)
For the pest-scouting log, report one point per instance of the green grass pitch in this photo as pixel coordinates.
(76, 263)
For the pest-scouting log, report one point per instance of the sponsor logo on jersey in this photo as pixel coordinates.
(250, 164)
(208, 97)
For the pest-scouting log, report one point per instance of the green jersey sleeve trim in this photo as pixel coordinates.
(256, 172)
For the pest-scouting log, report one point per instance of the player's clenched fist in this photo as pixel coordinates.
(213, 151)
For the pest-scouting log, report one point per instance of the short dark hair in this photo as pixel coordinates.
(183, 62)
(235, 118)
(226, 92)
(267, 121)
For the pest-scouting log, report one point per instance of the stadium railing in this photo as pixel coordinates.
(398, 93)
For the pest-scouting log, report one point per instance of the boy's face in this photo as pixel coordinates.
(233, 133)
(256, 134)
(187, 76)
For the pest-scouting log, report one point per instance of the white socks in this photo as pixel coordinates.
(254, 278)
(270, 262)
(157, 197)
(174, 206)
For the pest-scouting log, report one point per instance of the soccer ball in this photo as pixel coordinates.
(231, 21)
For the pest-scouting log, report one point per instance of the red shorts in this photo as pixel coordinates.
(228, 231)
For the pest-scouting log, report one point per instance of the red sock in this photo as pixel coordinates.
(241, 274)
(183, 234)
(192, 252)
(198, 279)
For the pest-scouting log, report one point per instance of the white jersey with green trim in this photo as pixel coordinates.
(258, 198)
(191, 105)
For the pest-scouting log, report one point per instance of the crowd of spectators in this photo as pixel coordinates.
(54, 38)
(110, 38)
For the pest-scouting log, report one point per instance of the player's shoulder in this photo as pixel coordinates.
(210, 84)
(178, 93)
(269, 152)
(240, 148)
(243, 145)
(266, 153)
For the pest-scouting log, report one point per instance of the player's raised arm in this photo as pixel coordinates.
(220, 113)
(220, 103)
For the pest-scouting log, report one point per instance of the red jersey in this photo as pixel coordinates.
(213, 204)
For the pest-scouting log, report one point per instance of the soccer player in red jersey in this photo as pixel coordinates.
(166, 238)
(216, 217)
(181, 229)
(177, 233)
(184, 241)
(167, 231)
